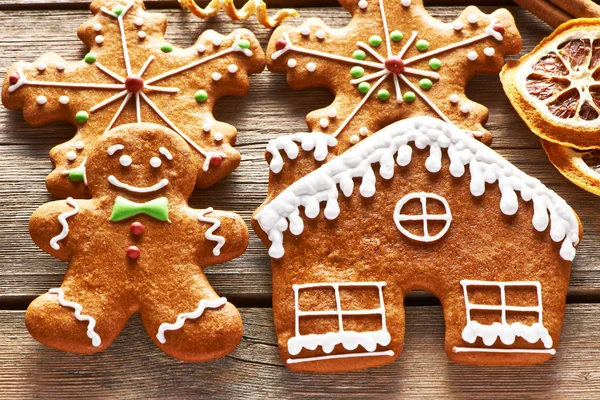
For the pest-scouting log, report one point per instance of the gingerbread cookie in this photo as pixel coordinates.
(419, 205)
(556, 90)
(132, 74)
(137, 246)
(394, 61)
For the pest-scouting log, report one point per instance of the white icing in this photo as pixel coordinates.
(503, 330)
(207, 126)
(492, 350)
(60, 66)
(320, 34)
(201, 48)
(424, 216)
(489, 51)
(311, 67)
(79, 144)
(209, 235)
(305, 30)
(64, 99)
(457, 25)
(292, 63)
(465, 108)
(362, 4)
(354, 139)
(332, 113)
(41, 66)
(350, 340)
(41, 100)
(139, 21)
(99, 39)
(135, 189)
(317, 141)
(125, 160)
(472, 55)
(363, 131)
(324, 122)
(97, 27)
(485, 166)
(336, 356)
(80, 168)
(405, 3)
(216, 76)
(165, 153)
(71, 155)
(217, 41)
(181, 318)
(473, 18)
(141, 34)
(454, 98)
(62, 219)
(232, 68)
(114, 148)
(155, 162)
(218, 136)
(91, 333)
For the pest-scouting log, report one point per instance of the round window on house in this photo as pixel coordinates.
(424, 217)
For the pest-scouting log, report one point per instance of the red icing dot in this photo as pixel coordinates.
(133, 252)
(395, 65)
(14, 78)
(215, 161)
(136, 228)
(498, 28)
(134, 84)
(280, 44)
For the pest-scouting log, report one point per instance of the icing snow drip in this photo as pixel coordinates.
(62, 219)
(78, 315)
(209, 233)
(506, 332)
(349, 339)
(289, 144)
(485, 166)
(203, 305)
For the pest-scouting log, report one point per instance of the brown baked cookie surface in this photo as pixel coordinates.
(132, 74)
(394, 61)
(419, 205)
(137, 247)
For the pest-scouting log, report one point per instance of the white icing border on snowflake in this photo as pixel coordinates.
(485, 166)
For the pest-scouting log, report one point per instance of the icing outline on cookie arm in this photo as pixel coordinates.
(62, 219)
(91, 333)
(181, 318)
(209, 235)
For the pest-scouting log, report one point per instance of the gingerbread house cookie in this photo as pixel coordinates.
(132, 74)
(137, 247)
(419, 205)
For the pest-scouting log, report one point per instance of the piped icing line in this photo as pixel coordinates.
(494, 350)
(166, 153)
(389, 353)
(24, 81)
(135, 189)
(181, 318)
(485, 166)
(62, 219)
(317, 141)
(80, 168)
(209, 235)
(91, 333)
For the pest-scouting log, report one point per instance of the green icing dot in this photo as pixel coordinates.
(425, 83)
(118, 9)
(383, 94)
(359, 55)
(166, 47)
(357, 72)
(201, 96)
(435, 63)
(409, 96)
(89, 58)
(422, 45)
(244, 44)
(82, 116)
(76, 175)
(375, 40)
(364, 87)
(396, 36)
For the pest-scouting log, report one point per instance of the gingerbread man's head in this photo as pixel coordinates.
(141, 162)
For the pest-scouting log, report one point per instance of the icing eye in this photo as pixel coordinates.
(155, 162)
(125, 160)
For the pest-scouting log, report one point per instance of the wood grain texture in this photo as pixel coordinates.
(134, 368)
(270, 110)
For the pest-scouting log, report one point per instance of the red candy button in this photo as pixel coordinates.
(136, 228)
(498, 28)
(280, 44)
(134, 84)
(14, 78)
(395, 65)
(133, 252)
(215, 161)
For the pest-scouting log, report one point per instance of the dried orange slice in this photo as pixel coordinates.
(556, 87)
(582, 167)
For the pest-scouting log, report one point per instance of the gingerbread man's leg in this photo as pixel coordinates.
(189, 321)
(79, 317)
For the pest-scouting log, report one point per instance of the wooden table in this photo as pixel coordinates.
(134, 367)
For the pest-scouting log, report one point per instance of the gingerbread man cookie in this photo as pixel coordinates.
(137, 247)
(132, 74)
(394, 61)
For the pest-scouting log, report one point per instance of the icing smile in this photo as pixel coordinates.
(148, 189)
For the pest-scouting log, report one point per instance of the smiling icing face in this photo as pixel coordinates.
(142, 161)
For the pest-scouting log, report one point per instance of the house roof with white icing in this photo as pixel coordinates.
(391, 146)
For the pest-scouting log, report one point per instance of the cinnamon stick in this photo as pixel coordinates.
(579, 8)
(545, 11)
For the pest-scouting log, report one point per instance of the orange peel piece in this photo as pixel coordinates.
(251, 7)
(582, 167)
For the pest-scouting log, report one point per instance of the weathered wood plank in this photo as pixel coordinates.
(133, 367)
(271, 109)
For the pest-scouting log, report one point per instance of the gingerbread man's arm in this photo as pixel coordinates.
(224, 236)
(51, 224)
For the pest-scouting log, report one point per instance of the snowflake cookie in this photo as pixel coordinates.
(391, 62)
(137, 246)
(418, 205)
(132, 74)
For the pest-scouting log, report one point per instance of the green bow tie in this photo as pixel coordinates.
(157, 208)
